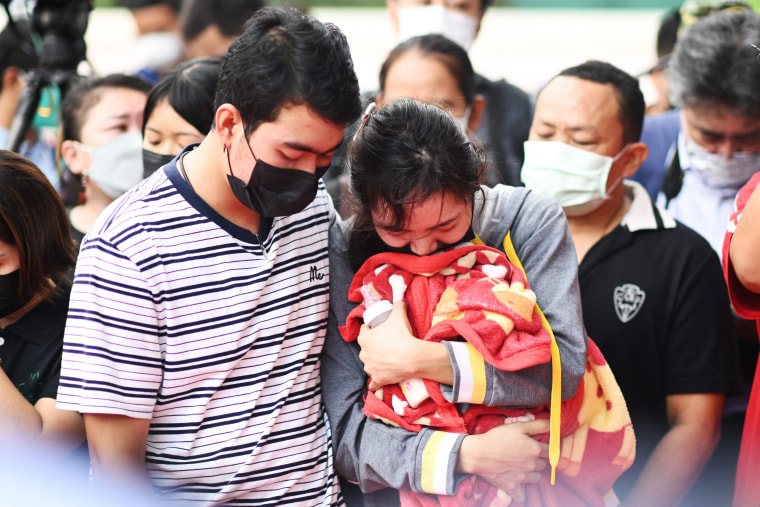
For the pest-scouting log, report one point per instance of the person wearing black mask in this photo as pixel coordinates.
(36, 260)
(179, 111)
(209, 284)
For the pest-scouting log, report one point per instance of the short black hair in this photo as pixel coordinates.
(189, 88)
(228, 15)
(449, 53)
(288, 57)
(631, 106)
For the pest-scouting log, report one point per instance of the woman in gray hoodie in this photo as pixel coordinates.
(415, 185)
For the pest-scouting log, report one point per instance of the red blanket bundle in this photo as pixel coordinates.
(474, 293)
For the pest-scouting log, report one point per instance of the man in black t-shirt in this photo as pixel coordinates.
(653, 295)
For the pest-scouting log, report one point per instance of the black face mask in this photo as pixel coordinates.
(274, 192)
(9, 301)
(442, 247)
(153, 161)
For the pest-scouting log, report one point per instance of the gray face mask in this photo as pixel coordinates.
(117, 164)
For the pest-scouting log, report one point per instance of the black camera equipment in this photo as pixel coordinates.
(60, 25)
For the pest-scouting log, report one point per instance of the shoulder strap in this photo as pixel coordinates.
(556, 396)
(673, 181)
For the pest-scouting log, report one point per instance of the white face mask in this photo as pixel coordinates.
(422, 20)
(721, 171)
(575, 178)
(159, 50)
(116, 164)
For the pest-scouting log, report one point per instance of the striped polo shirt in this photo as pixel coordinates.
(214, 334)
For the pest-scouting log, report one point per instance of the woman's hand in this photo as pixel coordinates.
(506, 456)
(392, 354)
(388, 350)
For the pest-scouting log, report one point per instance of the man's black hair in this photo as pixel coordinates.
(630, 99)
(227, 15)
(288, 57)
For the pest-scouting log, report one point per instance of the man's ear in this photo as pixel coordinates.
(77, 160)
(227, 120)
(634, 156)
(476, 112)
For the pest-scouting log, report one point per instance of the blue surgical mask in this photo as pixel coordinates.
(575, 178)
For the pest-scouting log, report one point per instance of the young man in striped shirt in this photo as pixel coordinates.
(199, 305)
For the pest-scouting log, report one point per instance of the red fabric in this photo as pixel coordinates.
(450, 296)
(747, 305)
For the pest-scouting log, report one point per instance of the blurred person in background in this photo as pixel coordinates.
(36, 262)
(179, 111)
(430, 68)
(17, 58)
(210, 26)
(661, 131)
(101, 126)
(159, 43)
(654, 82)
(506, 119)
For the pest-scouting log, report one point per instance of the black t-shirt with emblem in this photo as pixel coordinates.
(655, 302)
(31, 348)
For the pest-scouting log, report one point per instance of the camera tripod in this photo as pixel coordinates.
(61, 25)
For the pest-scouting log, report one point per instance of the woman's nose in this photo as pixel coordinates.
(424, 246)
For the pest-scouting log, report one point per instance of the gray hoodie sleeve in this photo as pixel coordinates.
(367, 451)
(541, 237)
(376, 455)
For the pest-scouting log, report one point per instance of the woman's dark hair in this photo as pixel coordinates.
(33, 219)
(403, 154)
(448, 52)
(189, 88)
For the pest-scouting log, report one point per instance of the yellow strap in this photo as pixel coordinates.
(556, 397)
